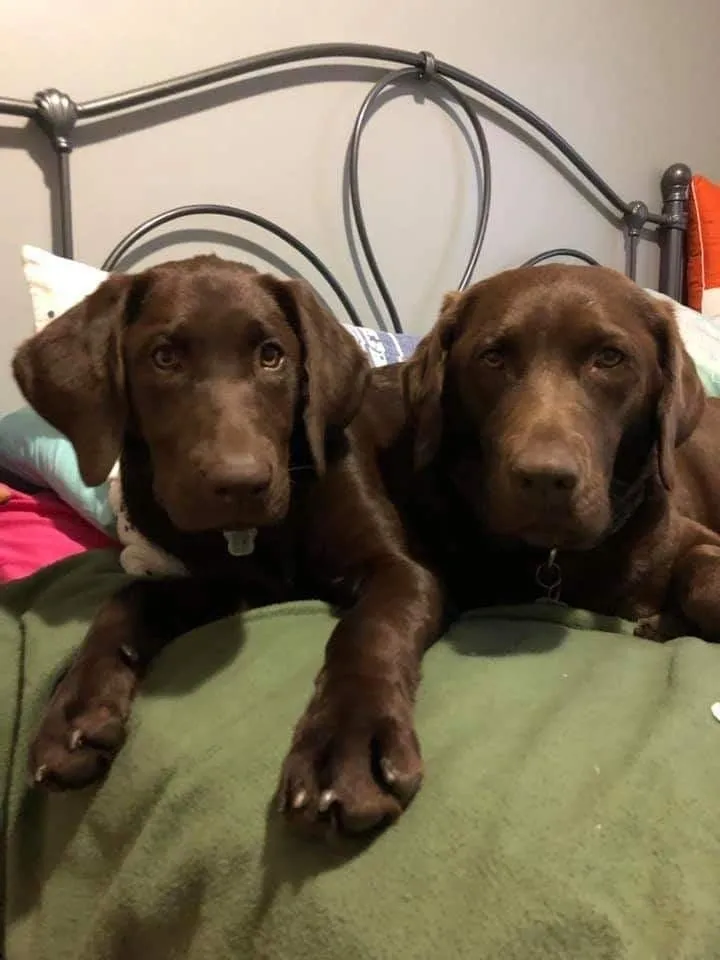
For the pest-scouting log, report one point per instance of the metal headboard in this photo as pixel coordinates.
(58, 116)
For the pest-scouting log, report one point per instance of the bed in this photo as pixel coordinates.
(567, 810)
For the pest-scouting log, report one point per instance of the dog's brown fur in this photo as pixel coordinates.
(235, 401)
(556, 407)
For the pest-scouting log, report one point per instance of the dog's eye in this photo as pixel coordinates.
(164, 357)
(271, 355)
(492, 357)
(609, 357)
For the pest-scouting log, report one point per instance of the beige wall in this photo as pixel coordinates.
(632, 85)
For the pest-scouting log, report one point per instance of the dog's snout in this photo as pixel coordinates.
(241, 475)
(546, 473)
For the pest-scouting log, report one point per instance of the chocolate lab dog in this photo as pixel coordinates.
(568, 451)
(235, 403)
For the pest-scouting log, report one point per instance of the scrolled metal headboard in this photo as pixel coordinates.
(58, 115)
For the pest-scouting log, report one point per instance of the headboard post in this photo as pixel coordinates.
(56, 116)
(675, 186)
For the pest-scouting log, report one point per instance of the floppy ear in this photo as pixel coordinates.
(336, 368)
(682, 400)
(424, 376)
(72, 375)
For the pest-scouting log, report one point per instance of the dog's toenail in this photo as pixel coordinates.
(299, 800)
(76, 739)
(327, 798)
(40, 773)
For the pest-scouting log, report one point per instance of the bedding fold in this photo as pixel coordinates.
(568, 812)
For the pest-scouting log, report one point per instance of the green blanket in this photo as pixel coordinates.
(570, 808)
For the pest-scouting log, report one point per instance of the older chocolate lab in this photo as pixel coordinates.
(228, 396)
(568, 450)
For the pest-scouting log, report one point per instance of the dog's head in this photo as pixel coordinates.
(551, 393)
(211, 363)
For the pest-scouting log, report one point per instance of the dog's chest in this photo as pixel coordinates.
(609, 582)
(263, 563)
(626, 576)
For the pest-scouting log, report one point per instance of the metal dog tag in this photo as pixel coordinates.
(240, 543)
(549, 576)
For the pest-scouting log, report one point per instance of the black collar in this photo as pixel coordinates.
(301, 459)
(626, 498)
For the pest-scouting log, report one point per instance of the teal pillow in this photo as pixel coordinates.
(37, 453)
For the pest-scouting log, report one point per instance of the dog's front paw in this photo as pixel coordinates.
(662, 627)
(355, 763)
(82, 729)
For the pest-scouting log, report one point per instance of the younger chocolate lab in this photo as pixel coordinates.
(235, 403)
(568, 450)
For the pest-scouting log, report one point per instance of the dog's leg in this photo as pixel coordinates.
(661, 627)
(354, 762)
(694, 595)
(697, 588)
(85, 723)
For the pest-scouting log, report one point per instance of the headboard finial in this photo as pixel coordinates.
(57, 115)
(675, 182)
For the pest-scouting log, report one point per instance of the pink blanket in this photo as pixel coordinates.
(39, 529)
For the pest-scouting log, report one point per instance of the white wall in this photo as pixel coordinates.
(632, 86)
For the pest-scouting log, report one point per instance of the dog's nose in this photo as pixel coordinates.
(242, 475)
(547, 475)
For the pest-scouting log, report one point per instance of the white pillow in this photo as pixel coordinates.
(56, 284)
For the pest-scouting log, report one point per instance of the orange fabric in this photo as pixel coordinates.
(703, 271)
